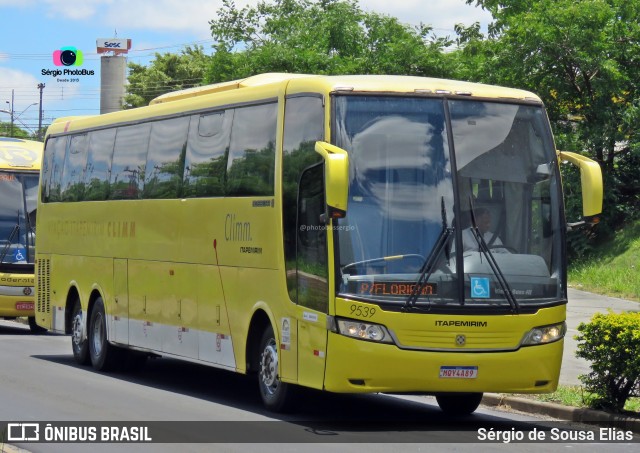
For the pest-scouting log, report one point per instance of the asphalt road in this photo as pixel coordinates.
(40, 382)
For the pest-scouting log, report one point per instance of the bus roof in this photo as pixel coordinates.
(20, 154)
(360, 83)
(272, 84)
(257, 80)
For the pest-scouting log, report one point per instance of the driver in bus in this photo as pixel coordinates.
(483, 221)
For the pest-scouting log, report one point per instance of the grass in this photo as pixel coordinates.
(614, 267)
(612, 270)
(576, 396)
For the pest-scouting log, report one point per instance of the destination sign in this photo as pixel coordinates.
(391, 288)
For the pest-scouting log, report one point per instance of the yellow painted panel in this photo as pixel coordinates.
(359, 366)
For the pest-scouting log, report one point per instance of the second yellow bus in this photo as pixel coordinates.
(19, 174)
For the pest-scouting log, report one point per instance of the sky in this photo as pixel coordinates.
(32, 30)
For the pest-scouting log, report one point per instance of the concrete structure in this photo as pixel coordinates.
(112, 80)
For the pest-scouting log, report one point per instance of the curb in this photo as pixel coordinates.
(6, 448)
(567, 413)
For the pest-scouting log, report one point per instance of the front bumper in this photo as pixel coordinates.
(355, 366)
(16, 301)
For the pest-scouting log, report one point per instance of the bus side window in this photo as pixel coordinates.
(312, 241)
(165, 160)
(72, 188)
(96, 173)
(53, 165)
(251, 162)
(206, 157)
(129, 158)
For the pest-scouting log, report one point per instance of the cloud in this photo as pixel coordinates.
(167, 15)
(442, 15)
(75, 9)
(23, 84)
(194, 15)
(22, 87)
(16, 3)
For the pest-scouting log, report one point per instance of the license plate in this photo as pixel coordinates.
(459, 372)
(24, 305)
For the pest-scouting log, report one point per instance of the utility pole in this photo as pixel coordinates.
(40, 87)
(11, 113)
(12, 110)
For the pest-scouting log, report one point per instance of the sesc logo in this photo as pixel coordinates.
(67, 56)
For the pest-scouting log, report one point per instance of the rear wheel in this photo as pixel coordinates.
(79, 343)
(104, 356)
(459, 403)
(276, 395)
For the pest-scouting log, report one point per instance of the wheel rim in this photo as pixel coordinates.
(98, 335)
(76, 329)
(269, 367)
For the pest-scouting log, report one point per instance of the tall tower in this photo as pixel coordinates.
(113, 66)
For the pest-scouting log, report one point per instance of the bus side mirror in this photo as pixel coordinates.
(591, 182)
(336, 178)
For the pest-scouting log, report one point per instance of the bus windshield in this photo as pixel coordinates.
(459, 195)
(18, 200)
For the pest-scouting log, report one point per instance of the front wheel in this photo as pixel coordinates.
(459, 403)
(104, 356)
(276, 395)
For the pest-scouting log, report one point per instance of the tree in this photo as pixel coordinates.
(6, 130)
(321, 37)
(583, 59)
(167, 72)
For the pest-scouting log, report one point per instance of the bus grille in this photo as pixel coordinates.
(447, 340)
(43, 291)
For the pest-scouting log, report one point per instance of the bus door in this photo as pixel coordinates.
(312, 277)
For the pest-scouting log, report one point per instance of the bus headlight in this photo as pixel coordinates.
(545, 334)
(364, 331)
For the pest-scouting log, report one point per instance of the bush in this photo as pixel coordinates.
(612, 343)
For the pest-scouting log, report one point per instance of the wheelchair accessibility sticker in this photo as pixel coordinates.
(20, 254)
(480, 288)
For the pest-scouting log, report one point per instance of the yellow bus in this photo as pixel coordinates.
(19, 174)
(311, 230)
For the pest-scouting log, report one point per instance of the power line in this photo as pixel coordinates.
(94, 56)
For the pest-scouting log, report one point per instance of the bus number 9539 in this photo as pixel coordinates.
(363, 312)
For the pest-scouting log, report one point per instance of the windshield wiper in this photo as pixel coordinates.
(430, 263)
(15, 231)
(484, 249)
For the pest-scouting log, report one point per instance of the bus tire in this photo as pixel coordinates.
(458, 403)
(79, 345)
(104, 356)
(277, 396)
(33, 325)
